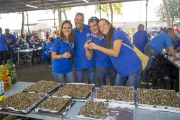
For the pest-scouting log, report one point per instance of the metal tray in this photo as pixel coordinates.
(12, 110)
(50, 92)
(114, 101)
(116, 111)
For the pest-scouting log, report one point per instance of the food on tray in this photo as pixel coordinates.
(158, 97)
(20, 101)
(42, 87)
(116, 93)
(96, 110)
(75, 90)
(53, 104)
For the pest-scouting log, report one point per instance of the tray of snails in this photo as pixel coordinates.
(77, 91)
(106, 111)
(118, 94)
(55, 105)
(22, 102)
(43, 87)
(163, 100)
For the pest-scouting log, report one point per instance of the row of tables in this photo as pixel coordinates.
(140, 114)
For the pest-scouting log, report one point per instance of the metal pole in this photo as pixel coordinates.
(54, 18)
(146, 13)
(27, 23)
(100, 10)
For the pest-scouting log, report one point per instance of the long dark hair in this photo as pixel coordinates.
(109, 35)
(71, 37)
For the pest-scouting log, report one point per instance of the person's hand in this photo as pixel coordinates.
(50, 48)
(176, 58)
(93, 46)
(11, 46)
(66, 55)
(86, 45)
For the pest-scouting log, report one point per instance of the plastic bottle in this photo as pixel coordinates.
(9, 67)
(69, 52)
(7, 85)
(1, 83)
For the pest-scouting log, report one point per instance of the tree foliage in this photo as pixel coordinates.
(0, 17)
(174, 10)
(107, 11)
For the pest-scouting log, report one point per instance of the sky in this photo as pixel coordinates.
(132, 11)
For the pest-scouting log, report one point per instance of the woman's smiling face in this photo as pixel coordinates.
(104, 26)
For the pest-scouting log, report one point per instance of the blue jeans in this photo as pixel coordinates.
(90, 74)
(133, 79)
(12, 56)
(101, 73)
(60, 77)
(149, 51)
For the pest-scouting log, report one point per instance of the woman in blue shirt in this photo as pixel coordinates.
(124, 59)
(48, 50)
(62, 60)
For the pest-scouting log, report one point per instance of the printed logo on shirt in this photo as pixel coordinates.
(101, 38)
(88, 34)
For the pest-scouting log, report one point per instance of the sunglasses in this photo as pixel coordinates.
(79, 13)
(93, 18)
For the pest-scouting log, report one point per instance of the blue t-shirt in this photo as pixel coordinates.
(127, 62)
(12, 40)
(160, 42)
(30, 43)
(62, 65)
(21, 43)
(102, 59)
(80, 60)
(176, 43)
(3, 45)
(140, 38)
(48, 48)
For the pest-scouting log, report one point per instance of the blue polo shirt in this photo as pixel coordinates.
(160, 42)
(127, 62)
(140, 39)
(48, 48)
(62, 66)
(102, 59)
(80, 53)
(12, 40)
(3, 39)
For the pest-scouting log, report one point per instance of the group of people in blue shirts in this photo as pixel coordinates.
(108, 57)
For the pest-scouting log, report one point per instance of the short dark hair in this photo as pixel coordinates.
(93, 19)
(0, 28)
(140, 26)
(79, 13)
(169, 30)
(7, 29)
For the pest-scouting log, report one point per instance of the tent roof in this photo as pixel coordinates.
(11, 6)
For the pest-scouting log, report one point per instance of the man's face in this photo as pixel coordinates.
(172, 35)
(94, 27)
(79, 21)
(7, 32)
(0, 30)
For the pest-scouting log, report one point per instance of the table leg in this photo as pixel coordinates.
(179, 80)
(18, 59)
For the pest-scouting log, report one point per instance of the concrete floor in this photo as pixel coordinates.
(44, 72)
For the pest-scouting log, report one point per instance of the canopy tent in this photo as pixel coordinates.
(10, 6)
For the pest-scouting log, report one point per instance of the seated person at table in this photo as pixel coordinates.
(48, 49)
(41, 43)
(35, 38)
(176, 43)
(155, 46)
(21, 42)
(31, 42)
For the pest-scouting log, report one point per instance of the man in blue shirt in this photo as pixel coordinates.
(81, 63)
(103, 63)
(3, 47)
(176, 43)
(155, 46)
(140, 38)
(11, 46)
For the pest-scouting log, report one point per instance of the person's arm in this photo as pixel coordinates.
(89, 54)
(171, 50)
(112, 52)
(55, 56)
(13, 39)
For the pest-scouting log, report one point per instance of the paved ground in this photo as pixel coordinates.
(44, 72)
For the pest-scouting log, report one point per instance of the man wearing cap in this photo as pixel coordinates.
(3, 47)
(103, 63)
(81, 63)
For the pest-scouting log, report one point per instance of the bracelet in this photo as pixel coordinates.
(62, 57)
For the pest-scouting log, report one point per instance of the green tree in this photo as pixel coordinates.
(109, 9)
(0, 17)
(174, 10)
